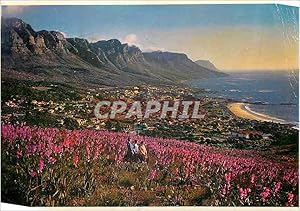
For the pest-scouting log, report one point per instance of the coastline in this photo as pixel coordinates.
(242, 110)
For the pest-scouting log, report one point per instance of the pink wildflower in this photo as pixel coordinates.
(75, 159)
(227, 177)
(290, 199)
(243, 193)
(277, 187)
(252, 178)
(152, 174)
(177, 171)
(51, 160)
(264, 195)
(19, 152)
(31, 149)
(67, 142)
(40, 165)
(225, 190)
(32, 173)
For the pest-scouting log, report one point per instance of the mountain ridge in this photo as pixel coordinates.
(48, 55)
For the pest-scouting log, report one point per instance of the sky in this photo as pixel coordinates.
(232, 37)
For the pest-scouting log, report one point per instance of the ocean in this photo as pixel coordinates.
(275, 94)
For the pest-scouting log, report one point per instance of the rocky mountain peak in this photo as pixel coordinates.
(15, 23)
(79, 42)
(58, 35)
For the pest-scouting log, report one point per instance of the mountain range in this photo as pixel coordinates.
(48, 55)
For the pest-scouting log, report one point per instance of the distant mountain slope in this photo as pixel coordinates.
(177, 66)
(207, 64)
(47, 55)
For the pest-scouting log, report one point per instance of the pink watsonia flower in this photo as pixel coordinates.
(31, 149)
(290, 202)
(47, 143)
(88, 151)
(152, 174)
(33, 173)
(227, 177)
(40, 165)
(75, 158)
(252, 178)
(51, 160)
(67, 142)
(243, 193)
(277, 187)
(225, 190)
(39, 147)
(176, 170)
(264, 195)
(19, 152)
(47, 153)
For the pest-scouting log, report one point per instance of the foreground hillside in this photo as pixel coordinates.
(48, 55)
(49, 166)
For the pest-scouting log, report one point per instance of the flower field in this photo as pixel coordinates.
(55, 167)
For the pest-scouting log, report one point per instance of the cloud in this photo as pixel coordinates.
(63, 33)
(9, 11)
(131, 39)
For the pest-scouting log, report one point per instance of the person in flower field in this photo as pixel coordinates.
(136, 147)
(137, 155)
(144, 152)
(130, 150)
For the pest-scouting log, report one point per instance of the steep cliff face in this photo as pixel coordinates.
(20, 38)
(82, 48)
(17, 36)
(48, 55)
(116, 52)
(54, 41)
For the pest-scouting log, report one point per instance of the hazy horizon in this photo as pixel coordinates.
(259, 70)
(234, 38)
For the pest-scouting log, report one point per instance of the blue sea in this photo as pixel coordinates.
(275, 94)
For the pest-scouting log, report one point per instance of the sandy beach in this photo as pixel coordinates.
(242, 110)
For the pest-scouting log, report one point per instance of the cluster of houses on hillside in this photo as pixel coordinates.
(218, 125)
